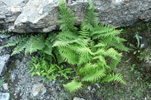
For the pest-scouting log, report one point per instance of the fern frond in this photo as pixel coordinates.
(91, 16)
(67, 35)
(100, 58)
(88, 68)
(16, 41)
(87, 26)
(100, 44)
(114, 77)
(64, 43)
(94, 76)
(84, 50)
(84, 33)
(68, 55)
(35, 43)
(47, 50)
(113, 64)
(67, 18)
(20, 47)
(12, 43)
(73, 85)
(111, 52)
(101, 51)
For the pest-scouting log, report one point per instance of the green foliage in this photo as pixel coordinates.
(73, 86)
(41, 67)
(93, 49)
(138, 40)
(32, 43)
(67, 18)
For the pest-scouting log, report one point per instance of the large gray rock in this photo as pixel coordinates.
(24, 16)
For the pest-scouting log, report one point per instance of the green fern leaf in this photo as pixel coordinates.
(114, 77)
(16, 41)
(19, 48)
(35, 43)
(47, 50)
(68, 55)
(94, 76)
(73, 85)
(88, 68)
(67, 18)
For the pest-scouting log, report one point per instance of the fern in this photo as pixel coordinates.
(94, 76)
(67, 18)
(114, 77)
(20, 47)
(93, 50)
(73, 85)
(35, 43)
(32, 43)
(91, 17)
(39, 66)
(14, 42)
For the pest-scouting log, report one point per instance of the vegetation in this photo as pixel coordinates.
(39, 66)
(139, 42)
(91, 50)
(89, 54)
(32, 43)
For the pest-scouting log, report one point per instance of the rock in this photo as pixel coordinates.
(98, 86)
(24, 16)
(3, 61)
(3, 36)
(4, 96)
(89, 88)
(5, 86)
(77, 98)
(13, 76)
(38, 89)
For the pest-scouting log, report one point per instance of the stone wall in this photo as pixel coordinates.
(24, 16)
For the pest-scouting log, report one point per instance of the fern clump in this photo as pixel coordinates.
(94, 49)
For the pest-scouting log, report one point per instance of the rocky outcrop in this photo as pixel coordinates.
(24, 16)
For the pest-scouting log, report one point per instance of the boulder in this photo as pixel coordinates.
(24, 16)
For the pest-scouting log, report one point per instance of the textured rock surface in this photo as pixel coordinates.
(25, 87)
(41, 15)
(4, 54)
(4, 96)
(38, 89)
(77, 98)
(3, 60)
